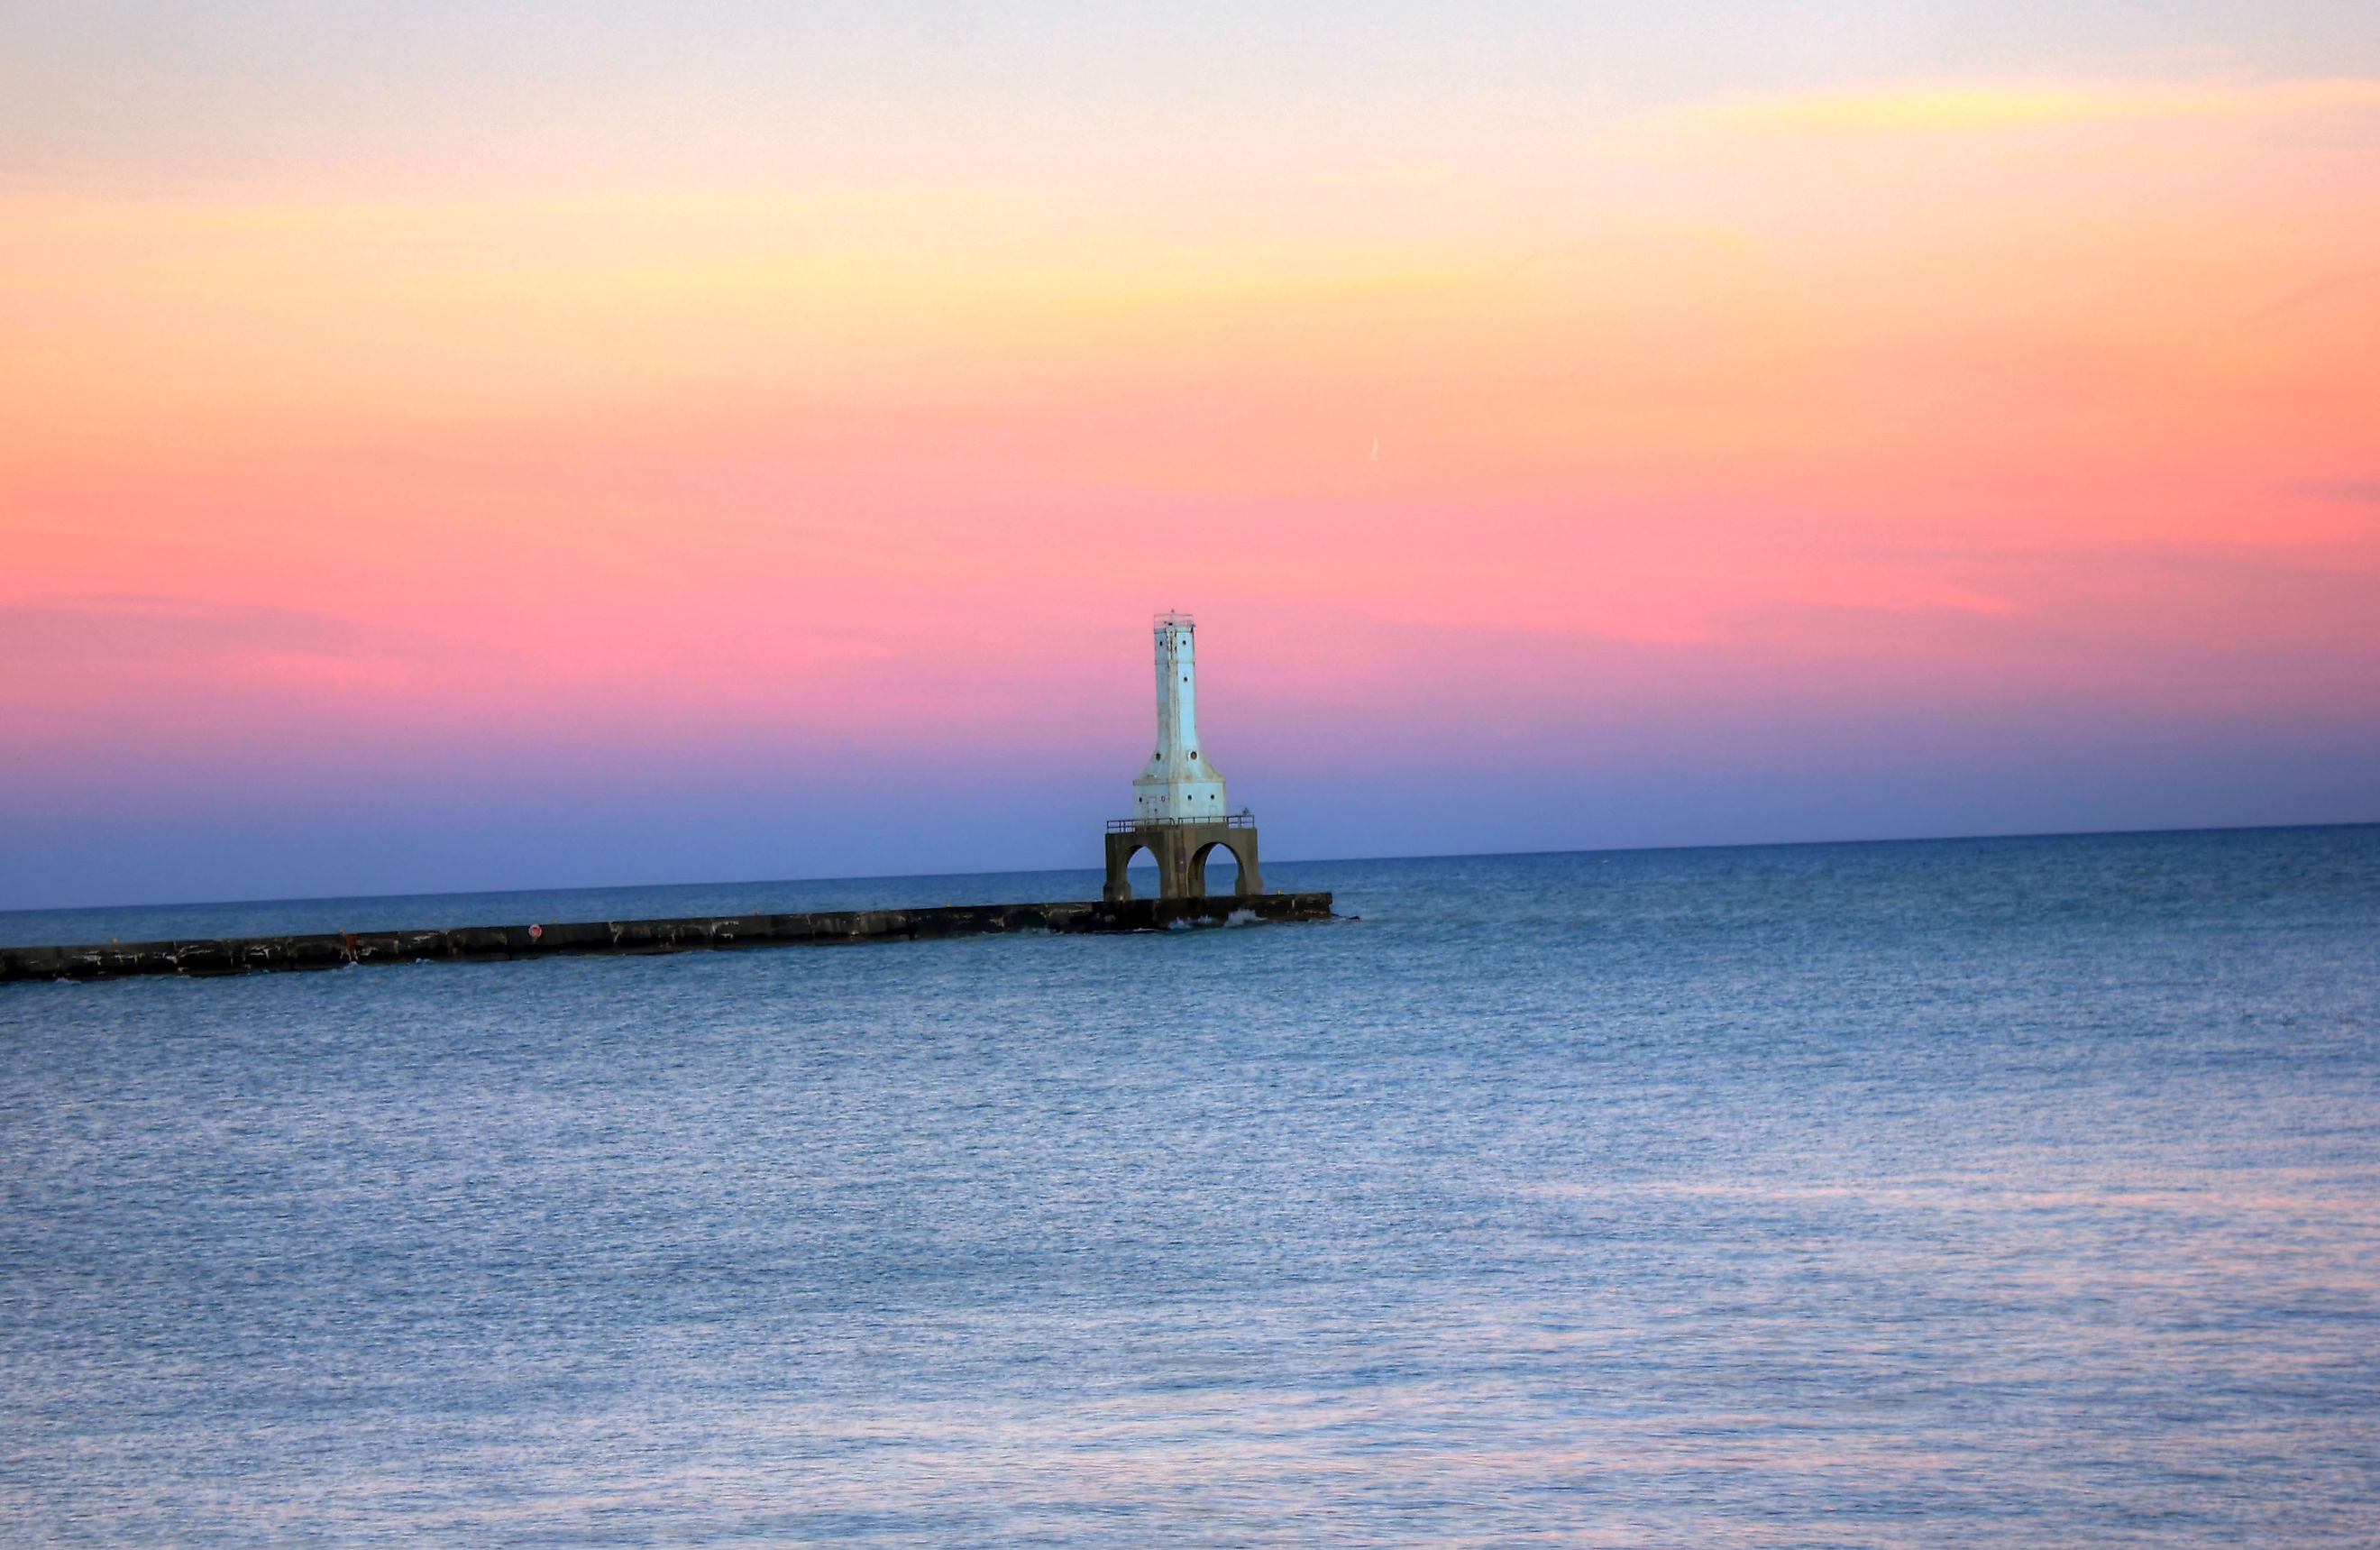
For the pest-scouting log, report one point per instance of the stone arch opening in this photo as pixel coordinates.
(1229, 880)
(1121, 883)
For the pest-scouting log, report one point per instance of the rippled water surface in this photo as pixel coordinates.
(1990, 1192)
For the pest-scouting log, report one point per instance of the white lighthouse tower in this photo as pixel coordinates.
(1179, 814)
(1180, 783)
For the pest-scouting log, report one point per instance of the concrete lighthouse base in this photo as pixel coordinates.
(1180, 848)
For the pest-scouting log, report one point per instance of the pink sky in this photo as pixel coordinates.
(1941, 454)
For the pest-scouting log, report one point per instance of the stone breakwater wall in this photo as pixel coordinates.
(240, 955)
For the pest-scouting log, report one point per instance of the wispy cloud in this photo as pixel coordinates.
(179, 638)
(2348, 491)
(2316, 289)
(1956, 105)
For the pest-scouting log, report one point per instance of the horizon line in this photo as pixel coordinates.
(1304, 860)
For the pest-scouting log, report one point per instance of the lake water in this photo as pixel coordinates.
(1962, 1193)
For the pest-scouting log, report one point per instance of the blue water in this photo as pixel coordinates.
(1966, 1193)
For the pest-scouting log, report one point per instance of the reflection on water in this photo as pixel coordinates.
(1975, 1193)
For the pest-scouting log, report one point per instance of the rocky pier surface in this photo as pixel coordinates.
(241, 954)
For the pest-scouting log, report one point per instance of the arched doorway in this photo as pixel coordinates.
(1218, 871)
(1141, 872)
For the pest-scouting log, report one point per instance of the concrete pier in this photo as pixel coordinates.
(240, 955)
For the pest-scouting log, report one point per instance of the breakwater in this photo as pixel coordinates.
(242, 955)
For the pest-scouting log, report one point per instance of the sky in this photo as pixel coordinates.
(447, 446)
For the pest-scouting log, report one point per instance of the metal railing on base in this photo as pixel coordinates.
(1242, 819)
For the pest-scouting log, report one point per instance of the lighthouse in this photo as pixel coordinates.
(1181, 782)
(1179, 813)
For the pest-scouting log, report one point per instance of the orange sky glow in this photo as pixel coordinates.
(1733, 428)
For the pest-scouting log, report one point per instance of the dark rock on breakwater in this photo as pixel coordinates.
(239, 955)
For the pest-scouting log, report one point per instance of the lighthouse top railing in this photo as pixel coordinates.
(1181, 621)
(1242, 819)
